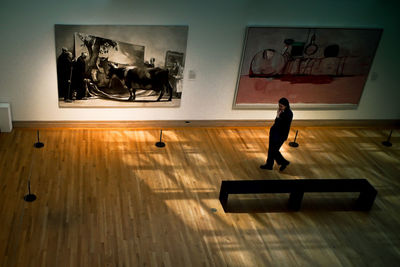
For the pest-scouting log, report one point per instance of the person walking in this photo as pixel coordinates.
(278, 134)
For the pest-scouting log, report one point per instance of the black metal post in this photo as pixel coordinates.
(294, 144)
(38, 144)
(160, 143)
(29, 197)
(387, 142)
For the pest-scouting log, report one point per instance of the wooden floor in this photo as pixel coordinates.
(110, 197)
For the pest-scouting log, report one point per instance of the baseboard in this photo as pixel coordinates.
(202, 123)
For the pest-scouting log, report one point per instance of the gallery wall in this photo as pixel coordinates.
(215, 41)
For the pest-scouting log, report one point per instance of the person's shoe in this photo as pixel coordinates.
(283, 166)
(265, 167)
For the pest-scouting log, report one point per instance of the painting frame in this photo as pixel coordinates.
(262, 79)
(173, 56)
(96, 61)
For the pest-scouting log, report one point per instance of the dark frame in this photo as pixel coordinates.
(173, 56)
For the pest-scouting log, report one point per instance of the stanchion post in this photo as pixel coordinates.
(294, 144)
(38, 144)
(29, 197)
(160, 143)
(387, 142)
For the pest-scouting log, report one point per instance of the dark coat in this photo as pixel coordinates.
(78, 76)
(280, 130)
(64, 67)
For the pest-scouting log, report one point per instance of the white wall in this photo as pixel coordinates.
(215, 41)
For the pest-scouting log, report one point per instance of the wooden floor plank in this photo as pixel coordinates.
(110, 197)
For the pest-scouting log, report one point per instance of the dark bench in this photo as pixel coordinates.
(297, 188)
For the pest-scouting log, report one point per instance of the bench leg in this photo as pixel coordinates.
(223, 198)
(366, 200)
(295, 200)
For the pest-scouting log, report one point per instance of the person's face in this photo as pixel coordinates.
(282, 107)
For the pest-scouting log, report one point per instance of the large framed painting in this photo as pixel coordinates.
(314, 68)
(120, 66)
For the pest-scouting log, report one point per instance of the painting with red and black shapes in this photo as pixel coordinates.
(323, 68)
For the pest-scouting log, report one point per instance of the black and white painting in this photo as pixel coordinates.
(120, 66)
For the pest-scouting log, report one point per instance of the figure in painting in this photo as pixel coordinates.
(176, 73)
(64, 72)
(151, 63)
(78, 77)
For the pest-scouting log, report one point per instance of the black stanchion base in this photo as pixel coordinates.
(160, 144)
(293, 144)
(38, 145)
(30, 197)
(386, 143)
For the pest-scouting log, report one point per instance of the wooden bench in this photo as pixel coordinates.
(297, 188)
